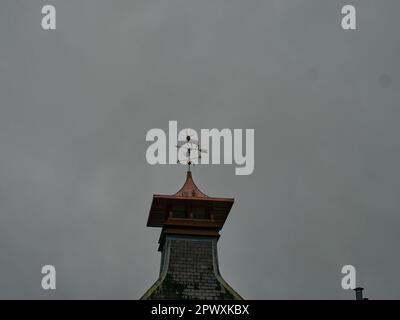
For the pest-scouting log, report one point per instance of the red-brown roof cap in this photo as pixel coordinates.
(161, 204)
(189, 189)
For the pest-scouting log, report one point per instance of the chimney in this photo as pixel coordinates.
(359, 293)
(190, 222)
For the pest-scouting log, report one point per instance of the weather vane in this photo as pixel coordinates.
(193, 152)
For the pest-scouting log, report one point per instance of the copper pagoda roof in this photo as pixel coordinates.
(189, 193)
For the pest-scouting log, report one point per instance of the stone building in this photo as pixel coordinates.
(190, 222)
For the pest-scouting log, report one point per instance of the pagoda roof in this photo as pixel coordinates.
(189, 189)
(188, 192)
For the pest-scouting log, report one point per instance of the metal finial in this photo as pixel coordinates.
(190, 146)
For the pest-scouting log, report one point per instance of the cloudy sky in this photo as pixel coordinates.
(76, 104)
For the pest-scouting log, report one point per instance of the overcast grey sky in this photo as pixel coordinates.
(76, 104)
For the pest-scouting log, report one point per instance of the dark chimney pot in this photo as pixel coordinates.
(359, 293)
